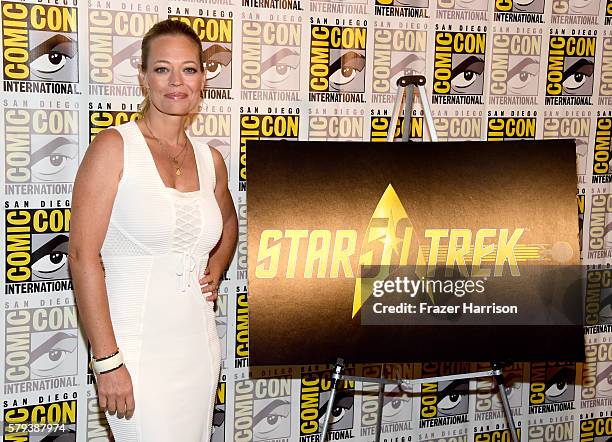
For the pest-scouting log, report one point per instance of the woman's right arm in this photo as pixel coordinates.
(93, 195)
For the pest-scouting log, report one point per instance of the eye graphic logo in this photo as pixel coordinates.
(511, 128)
(397, 404)
(41, 146)
(218, 420)
(571, 62)
(270, 60)
(488, 402)
(40, 48)
(337, 63)
(216, 36)
(314, 399)
(552, 387)
(397, 52)
(36, 419)
(264, 127)
(37, 250)
(520, 6)
(602, 149)
(48, 348)
(114, 50)
(458, 68)
(515, 66)
(443, 403)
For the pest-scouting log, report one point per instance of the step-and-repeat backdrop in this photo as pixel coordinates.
(300, 70)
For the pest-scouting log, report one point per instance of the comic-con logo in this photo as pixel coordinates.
(501, 127)
(315, 392)
(337, 62)
(570, 12)
(379, 127)
(596, 382)
(45, 420)
(401, 8)
(571, 124)
(605, 79)
(323, 127)
(41, 146)
(550, 432)
(213, 126)
(600, 232)
(519, 11)
(493, 435)
(488, 399)
(241, 344)
(569, 76)
(446, 402)
(40, 48)
(459, 64)
(270, 68)
(397, 404)
(602, 148)
(397, 52)
(218, 420)
(262, 409)
(41, 348)
(103, 116)
(37, 250)
(221, 323)
(458, 127)
(271, 126)
(97, 425)
(465, 10)
(115, 37)
(515, 67)
(552, 387)
(216, 36)
(598, 300)
(596, 429)
(351, 7)
(274, 4)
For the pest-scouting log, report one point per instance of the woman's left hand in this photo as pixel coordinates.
(210, 284)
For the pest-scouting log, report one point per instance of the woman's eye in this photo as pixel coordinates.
(161, 70)
(191, 70)
(49, 63)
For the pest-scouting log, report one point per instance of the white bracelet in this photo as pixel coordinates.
(107, 364)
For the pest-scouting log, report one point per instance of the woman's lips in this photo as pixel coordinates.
(176, 96)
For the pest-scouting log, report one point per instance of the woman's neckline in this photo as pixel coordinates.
(159, 178)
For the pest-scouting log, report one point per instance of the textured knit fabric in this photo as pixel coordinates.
(155, 250)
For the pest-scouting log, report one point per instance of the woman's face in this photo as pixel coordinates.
(173, 77)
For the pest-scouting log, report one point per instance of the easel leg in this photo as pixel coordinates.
(505, 403)
(336, 376)
(381, 403)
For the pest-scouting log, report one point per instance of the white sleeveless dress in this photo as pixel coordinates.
(156, 248)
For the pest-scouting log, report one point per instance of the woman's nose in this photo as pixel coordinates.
(175, 78)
